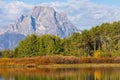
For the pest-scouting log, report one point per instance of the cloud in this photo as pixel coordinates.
(85, 14)
(82, 13)
(10, 11)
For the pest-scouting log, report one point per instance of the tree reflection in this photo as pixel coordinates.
(60, 74)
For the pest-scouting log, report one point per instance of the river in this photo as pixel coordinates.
(59, 73)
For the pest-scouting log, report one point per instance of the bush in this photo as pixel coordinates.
(97, 54)
(103, 54)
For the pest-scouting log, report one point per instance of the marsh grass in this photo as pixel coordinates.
(58, 61)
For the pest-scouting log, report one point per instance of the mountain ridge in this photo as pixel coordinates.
(40, 20)
(43, 20)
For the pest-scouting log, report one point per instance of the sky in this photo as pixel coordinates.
(40, 1)
(34, 2)
(107, 2)
(84, 14)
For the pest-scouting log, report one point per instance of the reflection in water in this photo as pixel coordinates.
(60, 74)
(97, 74)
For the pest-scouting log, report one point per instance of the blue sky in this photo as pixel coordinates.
(37, 1)
(107, 2)
(82, 13)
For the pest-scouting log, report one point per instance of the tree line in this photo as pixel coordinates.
(99, 41)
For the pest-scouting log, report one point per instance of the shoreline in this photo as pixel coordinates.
(85, 65)
(55, 66)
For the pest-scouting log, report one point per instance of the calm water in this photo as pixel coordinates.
(60, 74)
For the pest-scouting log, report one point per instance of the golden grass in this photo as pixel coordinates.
(56, 60)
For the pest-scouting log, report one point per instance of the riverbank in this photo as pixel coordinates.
(58, 61)
(85, 65)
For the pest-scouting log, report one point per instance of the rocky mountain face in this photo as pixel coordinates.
(40, 20)
(10, 40)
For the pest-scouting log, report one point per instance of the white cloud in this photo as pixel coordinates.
(82, 13)
(85, 14)
(9, 12)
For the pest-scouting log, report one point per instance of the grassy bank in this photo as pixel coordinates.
(43, 61)
(85, 65)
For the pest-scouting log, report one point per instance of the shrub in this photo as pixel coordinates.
(97, 54)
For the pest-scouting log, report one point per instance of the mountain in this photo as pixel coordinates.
(10, 40)
(40, 20)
